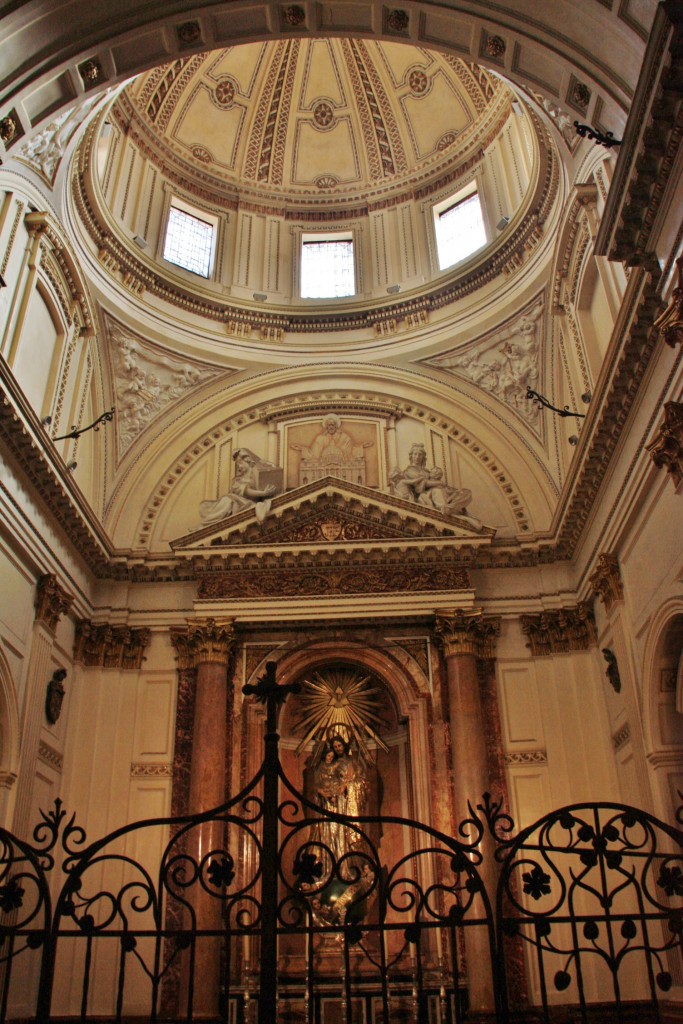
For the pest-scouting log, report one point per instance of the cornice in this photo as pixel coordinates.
(634, 341)
(651, 141)
(27, 441)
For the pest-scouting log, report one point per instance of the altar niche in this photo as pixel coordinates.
(344, 745)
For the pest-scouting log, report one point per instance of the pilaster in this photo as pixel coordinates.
(467, 639)
(51, 602)
(205, 647)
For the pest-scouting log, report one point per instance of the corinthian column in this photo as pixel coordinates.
(207, 646)
(465, 638)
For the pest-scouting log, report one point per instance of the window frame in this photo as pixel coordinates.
(453, 199)
(322, 236)
(200, 214)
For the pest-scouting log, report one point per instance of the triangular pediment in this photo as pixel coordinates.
(334, 513)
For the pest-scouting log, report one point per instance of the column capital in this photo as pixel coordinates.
(561, 630)
(110, 646)
(606, 580)
(52, 601)
(467, 633)
(670, 323)
(203, 641)
(667, 447)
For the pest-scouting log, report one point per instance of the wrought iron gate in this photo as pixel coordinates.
(246, 914)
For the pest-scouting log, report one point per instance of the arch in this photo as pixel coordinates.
(403, 677)
(406, 684)
(505, 454)
(661, 703)
(9, 739)
(589, 62)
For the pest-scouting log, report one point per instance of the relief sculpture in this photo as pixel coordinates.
(333, 452)
(508, 368)
(428, 487)
(254, 485)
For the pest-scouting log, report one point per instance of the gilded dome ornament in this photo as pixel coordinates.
(495, 47)
(91, 72)
(189, 32)
(294, 16)
(398, 21)
(9, 129)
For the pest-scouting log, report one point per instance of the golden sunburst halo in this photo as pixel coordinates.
(341, 701)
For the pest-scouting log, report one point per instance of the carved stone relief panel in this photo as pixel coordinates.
(505, 363)
(44, 151)
(146, 381)
(331, 445)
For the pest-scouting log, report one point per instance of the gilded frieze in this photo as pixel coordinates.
(331, 581)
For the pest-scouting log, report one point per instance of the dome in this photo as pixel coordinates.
(272, 145)
(313, 121)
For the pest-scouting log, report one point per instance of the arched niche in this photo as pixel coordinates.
(663, 708)
(399, 784)
(407, 703)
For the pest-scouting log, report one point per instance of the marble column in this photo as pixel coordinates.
(180, 800)
(207, 645)
(466, 637)
(51, 603)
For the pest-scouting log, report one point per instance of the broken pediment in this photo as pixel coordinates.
(331, 512)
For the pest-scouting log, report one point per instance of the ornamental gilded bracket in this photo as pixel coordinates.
(52, 601)
(670, 323)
